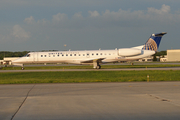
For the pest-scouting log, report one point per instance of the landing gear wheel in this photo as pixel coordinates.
(22, 68)
(98, 67)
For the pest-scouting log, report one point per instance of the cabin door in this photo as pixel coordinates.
(35, 56)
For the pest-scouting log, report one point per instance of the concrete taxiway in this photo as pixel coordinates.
(133, 100)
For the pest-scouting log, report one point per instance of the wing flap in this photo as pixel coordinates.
(93, 60)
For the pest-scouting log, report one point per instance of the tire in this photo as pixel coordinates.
(98, 67)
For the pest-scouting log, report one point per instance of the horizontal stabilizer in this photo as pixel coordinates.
(138, 47)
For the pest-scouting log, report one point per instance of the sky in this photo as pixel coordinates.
(36, 25)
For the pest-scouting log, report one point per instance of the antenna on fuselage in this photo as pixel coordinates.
(65, 47)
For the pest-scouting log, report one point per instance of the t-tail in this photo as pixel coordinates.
(153, 42)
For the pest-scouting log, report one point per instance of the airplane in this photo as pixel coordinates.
(93, 57)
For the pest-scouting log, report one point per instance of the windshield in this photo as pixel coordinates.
(27, 55)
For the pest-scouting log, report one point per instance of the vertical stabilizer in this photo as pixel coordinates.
(153, 42)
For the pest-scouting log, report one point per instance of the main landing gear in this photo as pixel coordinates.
(96, 65)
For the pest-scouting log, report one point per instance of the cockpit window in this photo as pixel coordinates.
(28, 55)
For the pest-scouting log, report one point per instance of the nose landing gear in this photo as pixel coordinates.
(22, 67)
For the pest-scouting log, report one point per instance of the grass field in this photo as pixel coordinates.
(87, 76)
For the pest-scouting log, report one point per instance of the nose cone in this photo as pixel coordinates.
(18, 61)
(15, 61)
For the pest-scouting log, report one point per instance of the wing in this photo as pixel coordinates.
(93, 60)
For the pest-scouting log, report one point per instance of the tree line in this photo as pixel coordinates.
(161, 54)
(12, 54)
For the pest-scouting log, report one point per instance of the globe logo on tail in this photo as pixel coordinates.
(153, 42)
(150, 45)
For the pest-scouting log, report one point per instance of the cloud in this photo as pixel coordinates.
(19, 33)
(15, 35)
(78, 15)
(61, 25)
(120, 18)
(93, 13)
(60, 17)
(164, 10)
(95, 27)
(29, 20)
(43, 22)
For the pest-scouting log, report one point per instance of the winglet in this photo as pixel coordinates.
(154, 41)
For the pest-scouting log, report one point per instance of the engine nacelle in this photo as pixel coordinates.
(126, 52)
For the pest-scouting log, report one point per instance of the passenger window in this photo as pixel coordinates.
(79, 54)
(70, 54)
(62, 54)
(101, 54)
(66, 54)
(44, 55)
(41, 55)
(96, 53)
(74, 54)
(92, 53)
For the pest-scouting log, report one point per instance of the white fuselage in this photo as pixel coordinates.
(84, 57)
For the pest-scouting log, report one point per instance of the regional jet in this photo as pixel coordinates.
(93, 57)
